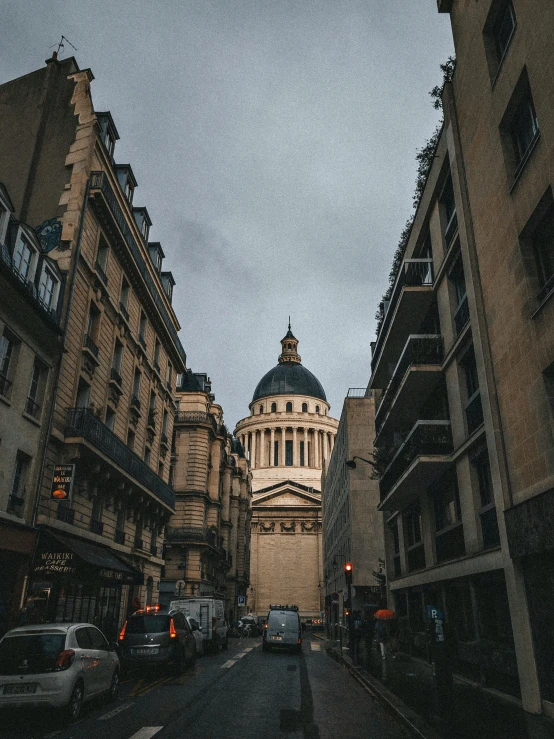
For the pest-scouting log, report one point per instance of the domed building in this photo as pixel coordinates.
(287, 436)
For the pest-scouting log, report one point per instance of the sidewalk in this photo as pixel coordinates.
(408, 686)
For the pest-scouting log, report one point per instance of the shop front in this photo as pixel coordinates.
(72, 579)
(17, 543)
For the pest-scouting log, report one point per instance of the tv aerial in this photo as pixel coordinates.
(61, 46)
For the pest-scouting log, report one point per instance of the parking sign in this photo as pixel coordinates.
(241, 600)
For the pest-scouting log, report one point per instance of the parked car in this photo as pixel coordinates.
(197, 633)
(283, 629)
(252, 623)
(157, 636)
(209, 614)
(57, 665)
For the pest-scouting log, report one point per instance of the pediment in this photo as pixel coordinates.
(286, 495)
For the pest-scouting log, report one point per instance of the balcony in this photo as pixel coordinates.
(97, 527)
(474, 412)
(194, 418)
(423, 456)
(90, 346)
(81, 423)
(411, 297)
(413, 379)
(29, 290)
(105, 202)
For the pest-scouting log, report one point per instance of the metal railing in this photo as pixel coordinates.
(461, 316)
(32, 407)
(412, 273)
(81, 422)
(419, 349)
(100, 272)
(356, 392)
(89, 344)
(99, 181)
(474, 412)
(425, 438)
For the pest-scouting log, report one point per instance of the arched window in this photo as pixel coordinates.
(304, 407)
(289, 407)
(261, 409)
(274, 407)
(317, 409)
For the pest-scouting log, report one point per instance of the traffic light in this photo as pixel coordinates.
(348, 573)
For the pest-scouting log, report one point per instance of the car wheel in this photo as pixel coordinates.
(73, 707)
(113, 692)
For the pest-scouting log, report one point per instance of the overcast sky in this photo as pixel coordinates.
(274, 146)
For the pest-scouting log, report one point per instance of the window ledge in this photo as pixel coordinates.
(32, 419)
(5, 400)
(521, 166)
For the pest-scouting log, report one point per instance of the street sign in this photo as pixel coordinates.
(241, 600)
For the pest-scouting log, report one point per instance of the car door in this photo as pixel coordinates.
(102, 672)
(186, 637)
(87, 657)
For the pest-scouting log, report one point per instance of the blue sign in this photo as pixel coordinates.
(241, 600)
(434, 613)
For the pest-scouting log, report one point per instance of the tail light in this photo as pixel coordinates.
(122, 632)
(299, 640)
(64, 660)
(172, 633)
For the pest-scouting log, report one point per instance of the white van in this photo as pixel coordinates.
(283, 629)
(209, 614)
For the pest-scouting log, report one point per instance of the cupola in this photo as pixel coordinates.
(289, 348)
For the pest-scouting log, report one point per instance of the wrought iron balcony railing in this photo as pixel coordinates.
(418, 350)
(99, 181)
(89, 344)
(427, 438)
(81, 422)
(412, 273)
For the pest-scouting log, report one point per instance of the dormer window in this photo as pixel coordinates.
(48, 287)
(108, 131)
(142, 219)
(127, 180)
(168, 282)
(25, 257)
(156, 255)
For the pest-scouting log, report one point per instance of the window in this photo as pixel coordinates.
(4, 220)
(7, 359)
(36, 389)
(473, 406)
(524, 129)
(415, 553)
(461, 309)
(124, 296)
(120, 526)
(302, 452)
(519, 127)
(142, 329)
(276, 454)
(165, 419)
(157, 347)
(288, 453)
(503, 29)
(304, 407)
(83, 395)
(93, 329)
(136, 383)
(274, 407)
(543, 248)
(448, 203)
(96, 525)
(393, 529)
(168, 373)
(117, 362)
(17, 491)
(147, 455)
(131, 439)
(261, 409)
(24, 258)
(160, 469)
(102, 259)
(317, 409)
(289, 407)
(48, 288)
(152, 409)
(110, 418)
(487, 510)
(449, 533)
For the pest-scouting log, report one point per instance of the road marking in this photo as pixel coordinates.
(316, 647)
(115, 711)
(229, 663)
(147, 688)
(146, 732)
(249, 649)
(240, 654)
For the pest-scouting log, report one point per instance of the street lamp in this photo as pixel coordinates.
(352, 465)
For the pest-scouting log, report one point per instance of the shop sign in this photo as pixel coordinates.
(62, 482)
(62, 563)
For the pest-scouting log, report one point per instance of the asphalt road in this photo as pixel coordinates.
(241, 693)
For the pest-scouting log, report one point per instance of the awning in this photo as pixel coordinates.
(60, 554)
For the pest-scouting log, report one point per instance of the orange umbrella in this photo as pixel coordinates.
(384, 614)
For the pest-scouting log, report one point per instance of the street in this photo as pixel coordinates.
(240, 692)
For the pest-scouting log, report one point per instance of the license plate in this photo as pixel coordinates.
(277, 638)
(17, 689)
(146, 651)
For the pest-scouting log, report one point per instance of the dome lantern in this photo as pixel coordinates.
(289, 348)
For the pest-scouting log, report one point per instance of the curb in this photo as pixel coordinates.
(407, 715)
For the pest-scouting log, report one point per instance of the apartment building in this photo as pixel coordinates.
(502, 91)
(352, 525)
(100, 547)
(30, 351)
(207, 544)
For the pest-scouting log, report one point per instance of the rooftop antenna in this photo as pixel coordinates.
(61, 47)
(289, 323)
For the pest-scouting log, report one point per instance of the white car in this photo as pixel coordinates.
(58, 665)
(197, 633)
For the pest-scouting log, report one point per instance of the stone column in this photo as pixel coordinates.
(295, 455)
(262, 447)
(253, 452)
(306, 460)
(283, 439)
(332, 442)
(272, 449)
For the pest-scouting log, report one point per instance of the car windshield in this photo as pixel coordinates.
(147, 624)
(30, 653)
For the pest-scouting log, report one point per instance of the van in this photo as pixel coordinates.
(209, 614)
(283, 629)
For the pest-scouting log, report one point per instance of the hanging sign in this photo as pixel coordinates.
(62, 482)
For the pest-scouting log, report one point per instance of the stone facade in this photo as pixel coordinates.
(121, 350)
(208, 541)
(287, 437)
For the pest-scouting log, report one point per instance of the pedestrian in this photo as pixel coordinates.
(382, 636)
(394, 637)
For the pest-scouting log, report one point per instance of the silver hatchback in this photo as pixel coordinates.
(57, 665)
